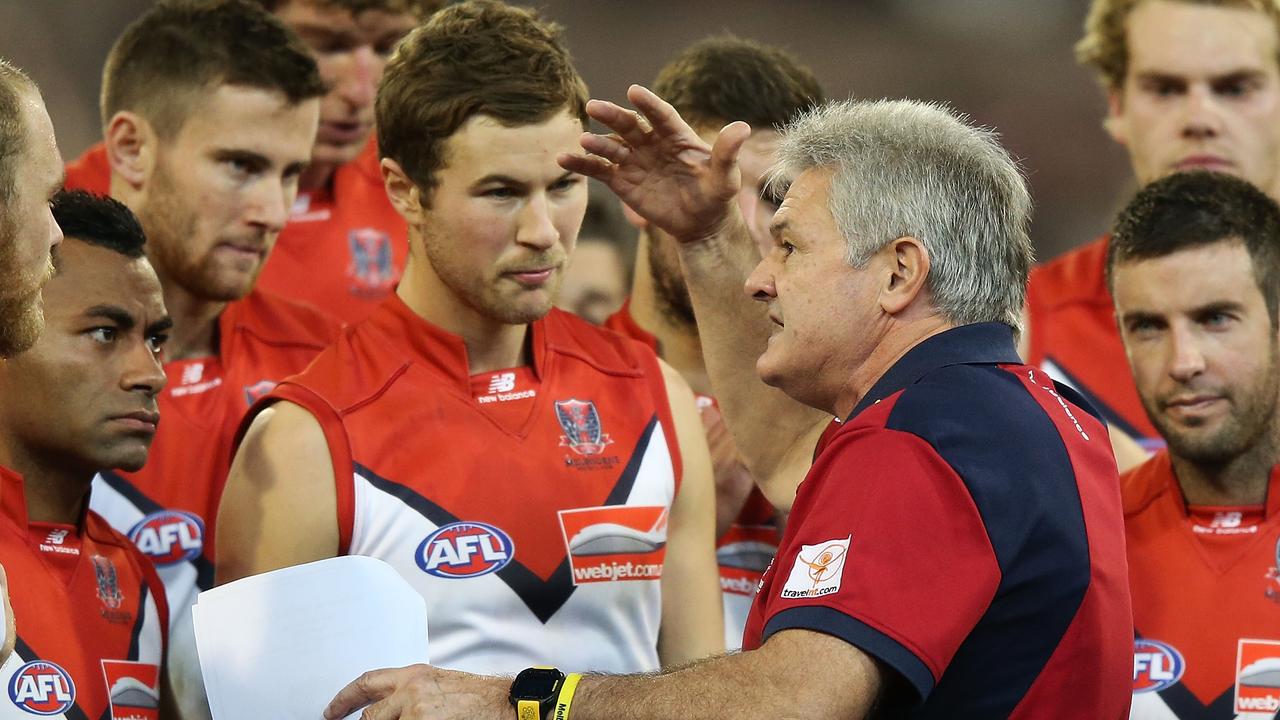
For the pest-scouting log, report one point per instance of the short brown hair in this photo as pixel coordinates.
(1105, 46)
(14, 84)
(421, 9)
(721, 79)
(180, 49)
(479, 57)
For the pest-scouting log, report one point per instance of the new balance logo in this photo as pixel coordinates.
(502, 382)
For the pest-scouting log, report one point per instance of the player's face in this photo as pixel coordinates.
(757, 156)
(86, 391)
(351, 51)
(1202, 92)
(1202, 349)
(595, 281)
(221, 189)
(824, 309)
(28, 232)
(503, 219)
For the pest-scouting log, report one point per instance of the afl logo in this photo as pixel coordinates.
(1156, 665)
(169, 536)
(42, 688)
(464, 550)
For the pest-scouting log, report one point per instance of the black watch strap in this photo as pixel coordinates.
(534, 691)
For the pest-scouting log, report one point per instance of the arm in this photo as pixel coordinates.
(263, 522)
(669, 176)
(692, 614)
(796, 674)
(8, 624)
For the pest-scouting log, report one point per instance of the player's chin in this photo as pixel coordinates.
(129, 454)
(526, 306)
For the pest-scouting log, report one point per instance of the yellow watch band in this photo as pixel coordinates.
(564, 701)
(528, 710)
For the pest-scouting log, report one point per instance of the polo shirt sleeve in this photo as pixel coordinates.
(887, 551)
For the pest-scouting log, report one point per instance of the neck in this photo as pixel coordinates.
(491, 344)
(1242, 480)
(316, 176)
(55, 492)
(195, 323)
(678, 341)
(896, 340)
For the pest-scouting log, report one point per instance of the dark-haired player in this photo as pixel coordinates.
(91, 610)
(711, 84)
(1194, 266)
(210, 111)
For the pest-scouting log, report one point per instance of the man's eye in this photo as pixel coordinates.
(156, 342)
(102, 334)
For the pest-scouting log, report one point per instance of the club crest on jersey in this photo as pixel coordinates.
(1272, 591)
(132, 689)
(1156, 665)
(108, 583)
(370, 269)
(169, 537)
(42, 688)
(580, 422)
(257, 390)
(1257, 676)
(465, 550)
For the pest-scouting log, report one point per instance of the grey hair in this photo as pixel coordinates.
(905, 168)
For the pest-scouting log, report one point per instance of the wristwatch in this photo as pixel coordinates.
(534, 692)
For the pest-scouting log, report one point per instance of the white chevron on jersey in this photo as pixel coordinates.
(481, 625)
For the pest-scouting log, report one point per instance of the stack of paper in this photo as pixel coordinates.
(282, 644)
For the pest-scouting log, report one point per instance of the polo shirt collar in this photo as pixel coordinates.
(989, 343)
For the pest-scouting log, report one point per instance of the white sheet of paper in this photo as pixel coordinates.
(282, 644)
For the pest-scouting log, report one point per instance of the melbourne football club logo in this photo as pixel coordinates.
(42, 688)
(1272, 591)
(581, 425)
(108, 583)
(169, 537)
(371, 269)
(465, 550)
(257, 390)
(1156, 665)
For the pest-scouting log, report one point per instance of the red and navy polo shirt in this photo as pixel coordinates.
(963, 526)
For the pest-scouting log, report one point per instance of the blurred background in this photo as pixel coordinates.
(1006, 63)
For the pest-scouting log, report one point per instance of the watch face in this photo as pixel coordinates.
(537, 683)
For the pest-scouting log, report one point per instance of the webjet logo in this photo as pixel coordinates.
(1258, 676)
(133, 689)
(615, 544)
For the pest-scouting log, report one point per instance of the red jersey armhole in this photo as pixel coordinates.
(658, 386)
(335, 436)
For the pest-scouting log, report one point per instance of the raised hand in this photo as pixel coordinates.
(659, 166)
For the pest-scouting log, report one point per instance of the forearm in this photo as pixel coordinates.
(734, 330)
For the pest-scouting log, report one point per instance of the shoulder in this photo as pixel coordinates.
(91, 171)
(281, 321)
(604, 349)
(1143, 485)
(1079, 274)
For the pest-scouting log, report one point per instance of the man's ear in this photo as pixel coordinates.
(131, 144)
(405, 196)
(1114, 123)
(908, 265)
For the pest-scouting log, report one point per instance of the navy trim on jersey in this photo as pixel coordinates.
(858, 634)
(543, 598)
(1093, 403)
(1186, 706)
(26, 655)
(979, 343)
(145, 505)
(139, 623)
(1019, 474)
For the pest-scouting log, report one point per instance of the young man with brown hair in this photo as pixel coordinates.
(209, 110)
(542, 482)
(1191, 84)
(344, 246)
(711, 84)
